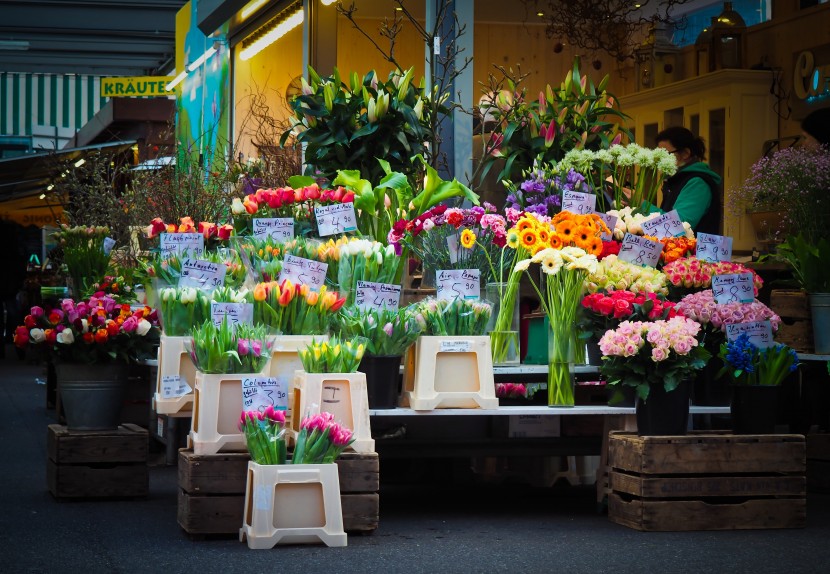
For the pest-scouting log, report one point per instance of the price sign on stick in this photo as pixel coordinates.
(277, 228)
(334, 219)
(713, 248)
(576, 202)
(202, 274)
(640, 251)
(177, 243)
(233, 313)
(760, 332)
(371, 295)
(458, 283)
(611, 222)
(261, 392)
(733, 288)
(666, 225)
(173, 386)
(304, 271)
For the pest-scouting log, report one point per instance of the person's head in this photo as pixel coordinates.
(816, 128)
(683, 144)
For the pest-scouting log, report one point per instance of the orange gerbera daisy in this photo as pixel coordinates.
(544, 235)
(595, 246)
(565, 229)
(529, 239)
(562, 216)
(582, 234)
(555, 241)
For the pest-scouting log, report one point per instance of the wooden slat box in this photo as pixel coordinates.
(818, 462)
(796, 327)
(212, 492)
(707, 481)
(97, 464)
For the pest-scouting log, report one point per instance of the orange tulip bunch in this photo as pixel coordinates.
(186, 225)
(676, 247)
(294, 309)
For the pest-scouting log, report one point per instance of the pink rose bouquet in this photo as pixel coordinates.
(690, 274)
(643, 353)
(703, 308)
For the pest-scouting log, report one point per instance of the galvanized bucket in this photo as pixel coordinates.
(820, 308)
(92, 395)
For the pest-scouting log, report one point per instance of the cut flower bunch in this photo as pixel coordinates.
(333, 356)
(748, 364)
(294, 309)
(229, 349)
(387, 332)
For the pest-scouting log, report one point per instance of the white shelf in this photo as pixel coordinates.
(533, 410)
(812, 357)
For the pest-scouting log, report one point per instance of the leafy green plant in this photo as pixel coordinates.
(810, 262)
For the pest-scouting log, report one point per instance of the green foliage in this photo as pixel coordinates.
(810, 262)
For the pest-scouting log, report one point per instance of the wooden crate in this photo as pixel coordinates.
(707, 481)
(796, 327)
(97, 464)
(818, 462)
(212, 492)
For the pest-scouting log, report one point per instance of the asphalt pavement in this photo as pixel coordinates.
(428, 523)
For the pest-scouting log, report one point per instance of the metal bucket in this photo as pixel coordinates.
(820, 308)
(92, 395)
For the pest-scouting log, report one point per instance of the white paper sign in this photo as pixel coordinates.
(452, 245)
(760, 332)
(109, 243)
(304, 271)
(334, 219)
(733, 288)
(277, 228)
(611, 222)
(640, 251)
(202, 274)
(576, 202)
(174, 386)
(666, 225)
(371, 295)
(713, 248)
(235, 313)
(258, 393)
(177, 243)
(455, 347)
(455, 283)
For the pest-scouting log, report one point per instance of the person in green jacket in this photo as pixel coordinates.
(694, 191)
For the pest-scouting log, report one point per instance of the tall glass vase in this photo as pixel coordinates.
(504, 322)
(560, 365)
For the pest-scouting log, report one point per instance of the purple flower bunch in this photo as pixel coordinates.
(703, 308)
(541, 193)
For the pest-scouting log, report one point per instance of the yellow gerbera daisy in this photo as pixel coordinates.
(468, 239)
(529, 239)
(525, 223)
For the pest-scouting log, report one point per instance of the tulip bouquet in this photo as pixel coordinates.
(675, 248)
(215, 234)
(263, 257)
(454, 318)
(604, 311)
(97, 330)
(691, 274)
(84, 254)
(229, 349)
(748, 364)
(320, 440)
(265, 435)
(643, 353)
(364, 260)
(291, 309)
(612, 274)
(181, 309)
(511, 391)
(333, 356)
(387, 332)
(113, 286)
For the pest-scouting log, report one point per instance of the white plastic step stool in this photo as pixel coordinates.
(174, 360)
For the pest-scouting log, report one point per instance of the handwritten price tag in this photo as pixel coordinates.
(458, 283)
(234, 313)
(173, 386)
(577, 202)
(733, 288)
(611, 222)
(760, 332)
(713, 248)
(202, 274)
(371, 295)
(277, 228)
(640, 251)
(109, 243)
(333, 219)
(261, 392)
(666, 225)
(304, 271)
(452, 245)
(455, 347)
(178, 243)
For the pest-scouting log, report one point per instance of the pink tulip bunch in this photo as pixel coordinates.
(321, 440)
(265, 435)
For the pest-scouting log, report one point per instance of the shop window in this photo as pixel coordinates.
(14, 146)
(650, 134)
(673, 117)
(692, 23)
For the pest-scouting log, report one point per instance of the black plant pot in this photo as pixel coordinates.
(754, 409)
(383, 380)
(664, 413)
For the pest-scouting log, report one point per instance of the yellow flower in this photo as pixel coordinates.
(529, 239)
(512, 239)
(468, 239)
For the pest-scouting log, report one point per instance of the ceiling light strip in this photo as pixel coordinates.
(293, 20)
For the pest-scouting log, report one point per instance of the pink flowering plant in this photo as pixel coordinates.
(714, 317)
(229, 349)
(320, 440)
(511, 391)
(690, 274)
(265, 432)
(643, 353)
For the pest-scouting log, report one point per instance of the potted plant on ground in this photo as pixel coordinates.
(757, 373)
(657, 358)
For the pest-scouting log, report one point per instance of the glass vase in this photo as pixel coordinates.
(503, 326)
(560, 365)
